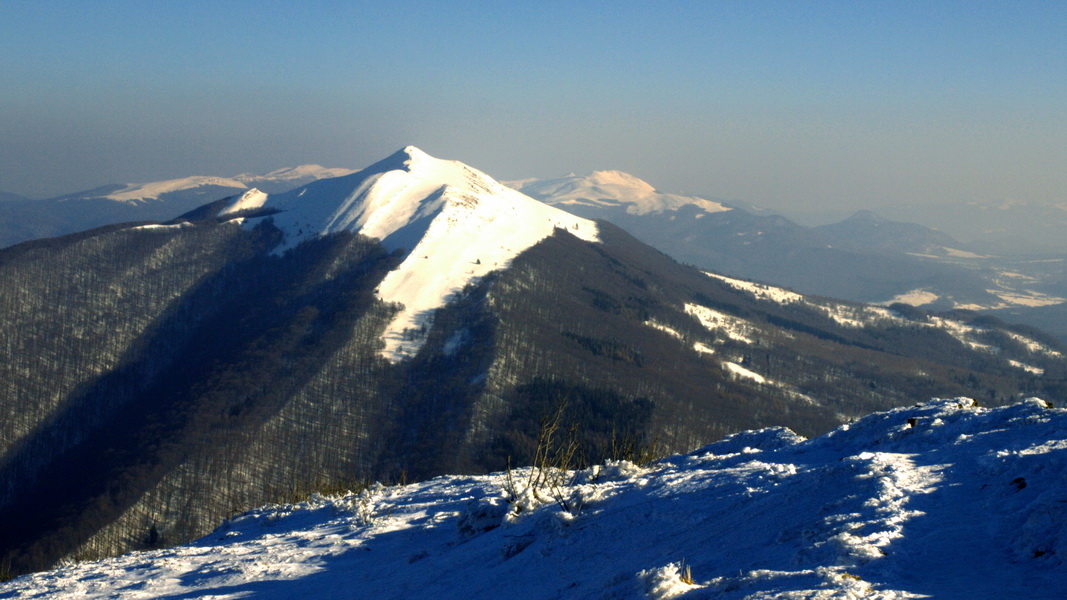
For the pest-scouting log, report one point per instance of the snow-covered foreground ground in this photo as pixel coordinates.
(942, 500)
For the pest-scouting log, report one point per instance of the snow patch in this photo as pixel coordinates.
(175, 226)
(702, 348)
(759, 291)
(954, 252)
(1034, 346)
(735, 328)
(917, 297)
(739, 371)
(661, 327)
(963, 333)
(1027, 298)
(1026, 367)
(846, 315)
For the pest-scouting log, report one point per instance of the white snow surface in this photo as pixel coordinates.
(456, 224)
(141, 192)
(302, 173)
(610, 189)
(739, 371)
(250, 200)
(916, 297)
(735, 328)
(134, 193)
(940, 500)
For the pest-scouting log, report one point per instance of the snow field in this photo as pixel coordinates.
(943, 499)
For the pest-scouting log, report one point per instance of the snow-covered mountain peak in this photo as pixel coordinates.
(610, 190)
(618, 178)
(456, 224)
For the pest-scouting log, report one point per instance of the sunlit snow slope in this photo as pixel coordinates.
(610, 189)
(456, 225)
(941, 500)
(281, 179)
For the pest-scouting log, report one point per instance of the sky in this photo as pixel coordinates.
(803, 105)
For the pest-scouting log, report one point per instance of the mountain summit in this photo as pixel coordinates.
(455, 223)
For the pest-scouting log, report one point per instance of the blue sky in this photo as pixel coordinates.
(785, 104)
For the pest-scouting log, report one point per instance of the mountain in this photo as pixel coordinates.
(865, 230)
(413, 319)
(22, 219)
(610, 190)
(1010, 227)
(942, 499)
(864, 258)
(840, 261)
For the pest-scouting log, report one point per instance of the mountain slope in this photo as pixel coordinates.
(866, 230)
(164, 376)
(943, 499)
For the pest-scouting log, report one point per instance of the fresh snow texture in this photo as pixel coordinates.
(940, 500)
(610, 189)
(456, 225)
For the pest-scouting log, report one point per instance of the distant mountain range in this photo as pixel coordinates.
(1008, 227)
(863, 258)
(411, 319)
(22, 219)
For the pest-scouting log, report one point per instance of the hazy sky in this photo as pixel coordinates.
(802, 104)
